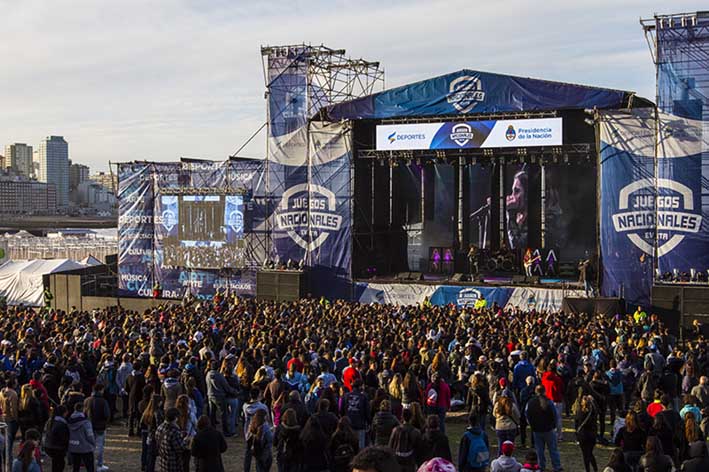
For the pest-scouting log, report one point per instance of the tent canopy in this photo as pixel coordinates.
(21, 281)
(469, 92)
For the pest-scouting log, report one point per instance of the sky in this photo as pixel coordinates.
(164, 79)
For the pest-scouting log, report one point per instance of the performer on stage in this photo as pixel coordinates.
(527, 261)
(473, 259)
(586, 277)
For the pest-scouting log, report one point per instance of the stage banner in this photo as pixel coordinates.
(683, 143)
(628, 195)
(467, 296)
(204, 173)
(469, 91)
(470, 134)
(135, 230)
(393, 294)
(541, 299)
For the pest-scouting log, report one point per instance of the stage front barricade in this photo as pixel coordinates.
(527, 298)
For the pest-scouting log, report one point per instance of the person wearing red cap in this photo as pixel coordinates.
(506, 463)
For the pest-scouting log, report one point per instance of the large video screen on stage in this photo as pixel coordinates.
(202, 231)
(570, 210)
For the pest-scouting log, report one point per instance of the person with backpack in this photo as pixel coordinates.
(542, 418)
(107, 376)
(355, 406)
(343, 446)
(251, 410)
(56, 441)
(474, 448)
(81, 440)
(406, 442)
(286, 440)
(647, 384)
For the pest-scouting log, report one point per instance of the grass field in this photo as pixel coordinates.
(123, 453)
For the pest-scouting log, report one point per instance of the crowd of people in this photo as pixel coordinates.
(316, 385)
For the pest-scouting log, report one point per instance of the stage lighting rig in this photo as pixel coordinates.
(487, 152)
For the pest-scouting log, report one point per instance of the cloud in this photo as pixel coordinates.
(161, 79)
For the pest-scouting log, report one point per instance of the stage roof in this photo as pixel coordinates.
(469, 92)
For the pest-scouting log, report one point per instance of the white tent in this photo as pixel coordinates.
(21, 281)
(90, 261)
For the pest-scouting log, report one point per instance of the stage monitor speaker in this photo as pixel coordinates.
(518, 279)
(280, 285)
(534, 280)
(415, 276)
(402, 276)
(458, 277)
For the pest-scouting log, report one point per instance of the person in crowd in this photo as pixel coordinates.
(435, 441)
(586, 425)
(9, 406)
(542, 418)
(474, 448)
(170, 443)
(259, 443)
(31, 412)
(438, 399)
(506, 462)
(355, 406)
(507, 419)
(531, 462)
(217, 391)
(375, 459)
(286, 440)
(25, 460)
(616, 462)
(631, 438)
(98, 411)
(56, 441)
(134, 386)
(654, 459)
(315, 452)
(383, 424)
(152, 419)
(82, 442)
(407, 443)
(554, 388)
(207, 447)
(187, 421)
(698, 458)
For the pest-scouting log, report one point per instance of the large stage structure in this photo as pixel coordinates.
(361, 185)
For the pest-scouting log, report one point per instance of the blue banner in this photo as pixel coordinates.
(628, 194)
(469, 91)
(135, 230)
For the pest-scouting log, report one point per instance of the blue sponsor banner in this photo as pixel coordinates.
(469, 91)
(628, 196)
(470, 134)
(135, 230)
(467, 296)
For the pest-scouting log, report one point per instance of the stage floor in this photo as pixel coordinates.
(484, 281)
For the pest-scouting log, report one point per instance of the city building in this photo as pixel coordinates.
(54, 166)
(18, 157)
(96, 197)
(2, 163)
(78, 173)
(107, 179)
(21, 196)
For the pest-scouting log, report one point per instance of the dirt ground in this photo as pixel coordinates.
(123, 453)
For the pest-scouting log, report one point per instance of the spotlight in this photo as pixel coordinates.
(658, 274)
(487, 152)
(590, 111)
(566, 158)
(589, 121)
(440, 154)
(675, 275)
(692, 275)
